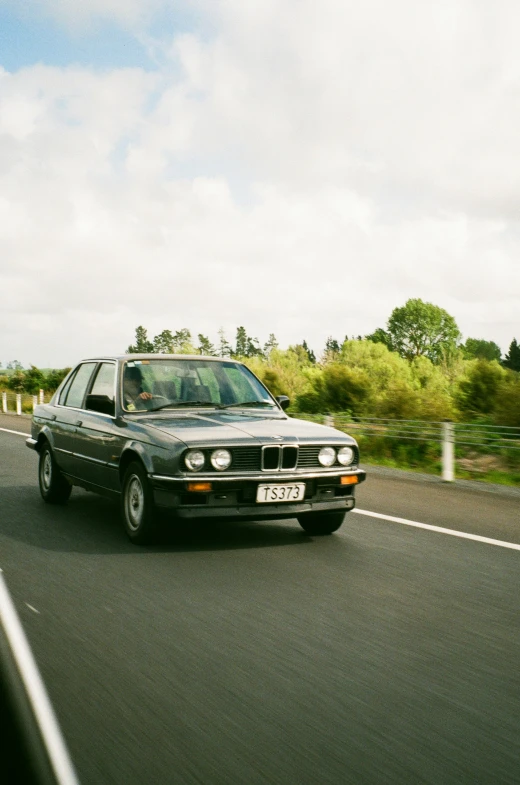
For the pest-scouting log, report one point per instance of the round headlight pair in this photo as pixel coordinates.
(195, 460)
(327, 456)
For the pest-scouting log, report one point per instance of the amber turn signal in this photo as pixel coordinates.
(199, 486)
(349, 479)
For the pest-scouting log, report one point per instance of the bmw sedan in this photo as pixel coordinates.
(190, 437)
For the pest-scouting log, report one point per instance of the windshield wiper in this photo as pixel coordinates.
(246, 403)
(178, 404)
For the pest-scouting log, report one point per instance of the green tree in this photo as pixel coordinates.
(332, 349)
(15, 364)
(380, 336)
(142, 345)
(224, 348)
(479, 349)
(241, 342)
(337, 389)
(205, 346)
(302, 352)
(512, 358)
(310, 354)
(271, 344)
(182, 343)
(163, 343)
(17, 381)
(246, 346)
(507, 402)
(271, 379)
(34, 380)
(478, 390)
(420, 328)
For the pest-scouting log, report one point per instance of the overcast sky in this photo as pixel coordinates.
(293, 166)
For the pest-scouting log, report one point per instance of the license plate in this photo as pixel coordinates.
(280, 493)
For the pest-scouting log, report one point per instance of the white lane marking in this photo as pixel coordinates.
(31, 608)
(23, 660)
(19, 433)
(440, 530)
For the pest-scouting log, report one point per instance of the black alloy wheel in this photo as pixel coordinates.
(137, 506)
(320, 523)
(54, 488)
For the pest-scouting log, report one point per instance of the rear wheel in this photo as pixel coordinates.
(54, 488)
(137, 506)
(320, 523)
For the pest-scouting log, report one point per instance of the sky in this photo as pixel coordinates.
(297, 167)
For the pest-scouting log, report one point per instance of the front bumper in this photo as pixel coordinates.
(235, 496)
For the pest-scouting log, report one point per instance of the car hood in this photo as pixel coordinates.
(233, 428)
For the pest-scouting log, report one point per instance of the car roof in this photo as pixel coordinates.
(157, 356)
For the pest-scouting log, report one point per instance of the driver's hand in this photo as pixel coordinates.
(146, 396)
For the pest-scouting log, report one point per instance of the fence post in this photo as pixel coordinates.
(448, 452)
(4, 402)
(18, 403)
(328, 420)
(41, 396)
(35, 402)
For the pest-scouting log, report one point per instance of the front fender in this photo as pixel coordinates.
(134, 449)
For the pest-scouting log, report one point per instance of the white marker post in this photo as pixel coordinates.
(4, 402)
(18, 403)
(448, 451)
(35, 402)
(41, 396)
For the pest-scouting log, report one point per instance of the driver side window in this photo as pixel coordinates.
(102, 395)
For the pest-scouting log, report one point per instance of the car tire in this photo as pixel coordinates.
(54, 488)
(321, 523)
(137, 506)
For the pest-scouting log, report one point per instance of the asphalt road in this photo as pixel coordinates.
(256, 654)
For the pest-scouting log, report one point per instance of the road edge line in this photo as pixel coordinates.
(440, 530)
(19, 433)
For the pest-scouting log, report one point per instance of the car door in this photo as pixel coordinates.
(68, 412)
(98, 439)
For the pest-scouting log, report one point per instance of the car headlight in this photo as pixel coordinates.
(345, 455)
(327, 456)
(194, 460)
(221, 459)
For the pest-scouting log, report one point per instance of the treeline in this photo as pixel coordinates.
(417, 367)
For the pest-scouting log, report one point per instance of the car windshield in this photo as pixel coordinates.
(151, 385)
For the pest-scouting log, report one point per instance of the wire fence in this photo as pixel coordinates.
(465, 450)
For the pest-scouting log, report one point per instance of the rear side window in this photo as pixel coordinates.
(66, 388)
(78, 387)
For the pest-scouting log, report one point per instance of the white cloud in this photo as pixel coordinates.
(304, 171)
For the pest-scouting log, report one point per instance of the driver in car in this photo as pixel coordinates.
(134, 395)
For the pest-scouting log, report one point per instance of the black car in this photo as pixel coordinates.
(194, 437)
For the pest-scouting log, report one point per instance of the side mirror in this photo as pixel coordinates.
(283, 401)
(102, 404)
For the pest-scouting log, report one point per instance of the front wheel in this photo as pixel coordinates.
(320, 523)
(54, 488)
(137, 505)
